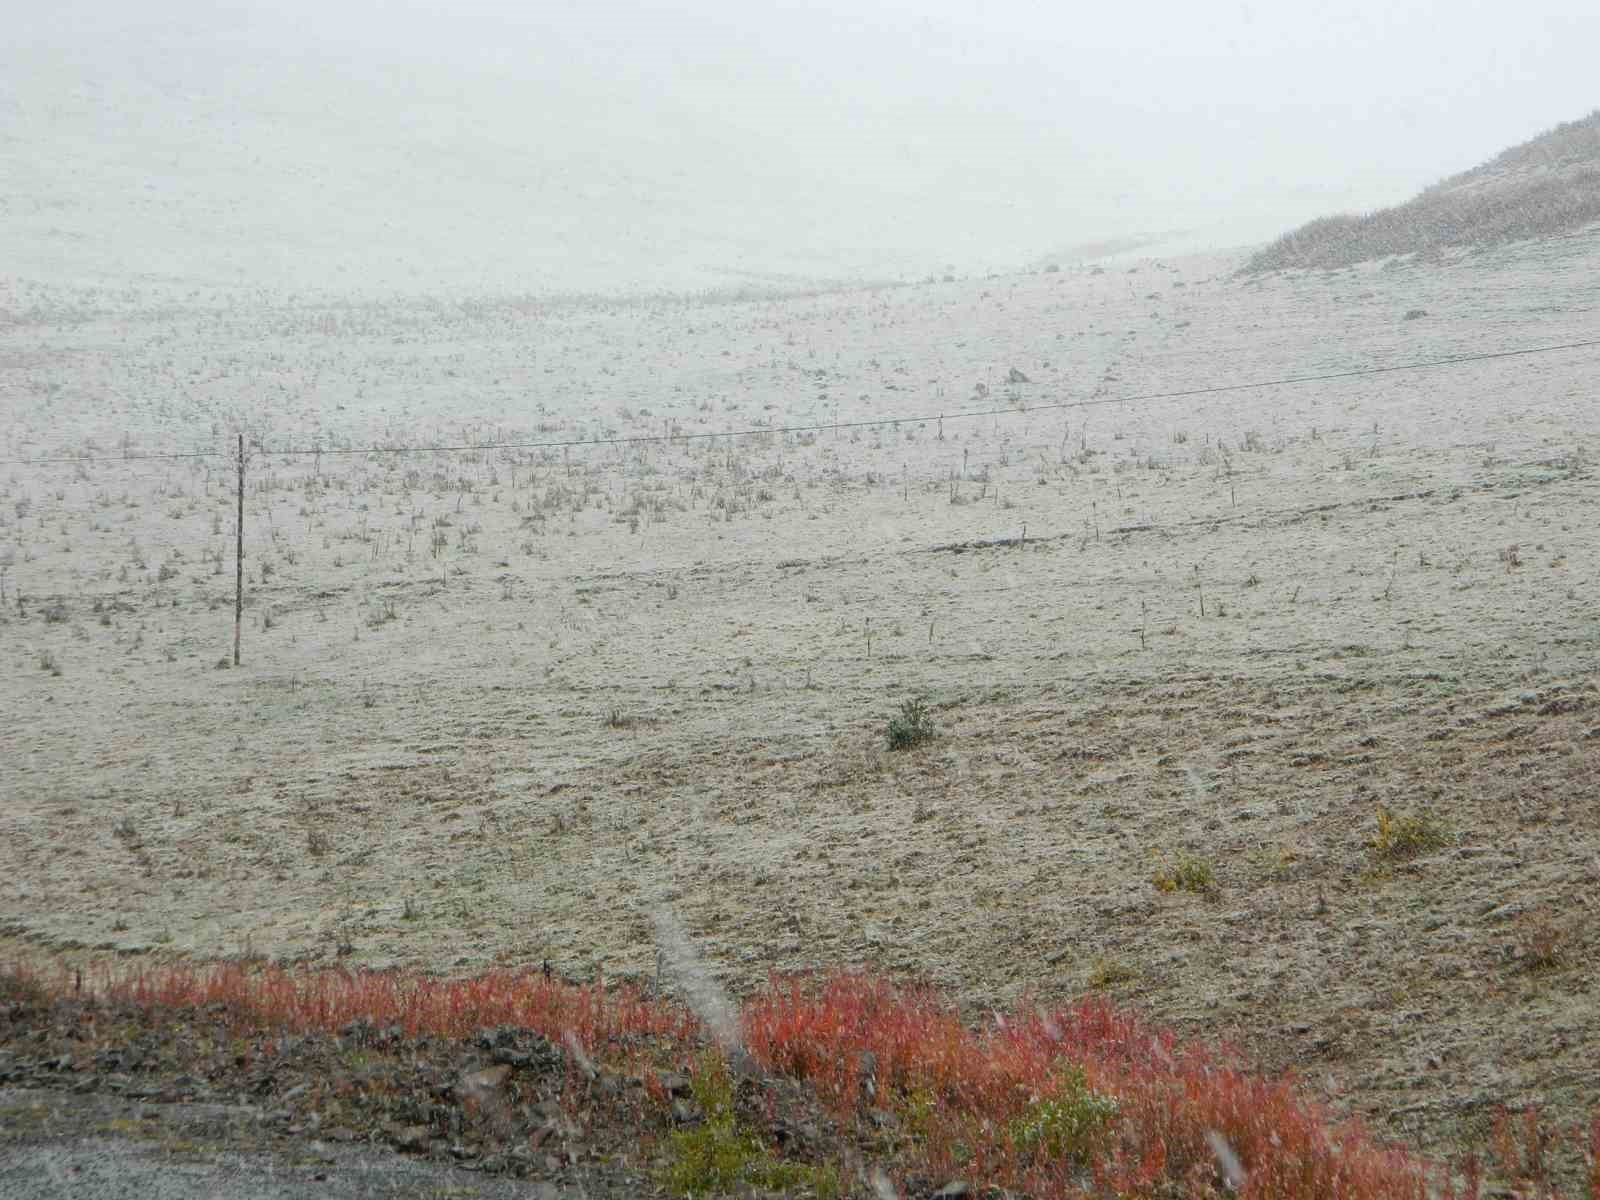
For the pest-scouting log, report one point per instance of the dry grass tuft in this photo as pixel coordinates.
(1188, 874)
(1402, 836)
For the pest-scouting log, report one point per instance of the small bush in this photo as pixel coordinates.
(21, 988)
(911, 727)
(717, 1157)
(617, 719)
(127, 833)
(1108, 973)
(1189, 875)
(1070, 1121)
(1541, 942)
(1402, 836)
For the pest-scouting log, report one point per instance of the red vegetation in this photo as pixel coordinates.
(1135, 1112)
(304, 1000)
(1169, 1098)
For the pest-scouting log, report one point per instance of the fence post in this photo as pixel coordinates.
(238, 562)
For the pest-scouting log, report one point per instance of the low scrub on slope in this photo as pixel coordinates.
(1541, 188)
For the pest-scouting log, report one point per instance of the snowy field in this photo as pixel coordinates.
(499, 704)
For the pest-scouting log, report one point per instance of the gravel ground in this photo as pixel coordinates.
(65, 1148)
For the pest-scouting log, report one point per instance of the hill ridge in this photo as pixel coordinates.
(1544, 187)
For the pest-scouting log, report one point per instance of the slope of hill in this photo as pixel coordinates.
(1543, 187)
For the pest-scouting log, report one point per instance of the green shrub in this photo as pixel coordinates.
(1405, 835)
(1071, 1121)
(1190, 875)
(718, 1157)
(708, 1160)
(911, 726)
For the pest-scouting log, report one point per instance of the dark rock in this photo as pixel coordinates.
(1016, 376)
(510, 1046)
(1561, 704)
(674, 1084)
(481, 1083)
(358, 1033)
(869, 1075)
(743, 1065)
(410, 1137)
(687, 1112)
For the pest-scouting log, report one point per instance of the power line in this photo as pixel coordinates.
(90, 460)
(959, 415)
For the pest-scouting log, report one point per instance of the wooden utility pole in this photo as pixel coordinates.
(238, 562)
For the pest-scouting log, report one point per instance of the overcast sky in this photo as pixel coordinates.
(1168, 99)
(995, 130)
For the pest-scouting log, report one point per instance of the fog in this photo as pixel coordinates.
(616, 146)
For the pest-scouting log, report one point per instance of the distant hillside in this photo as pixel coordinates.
(1546, 186)
(551, 148)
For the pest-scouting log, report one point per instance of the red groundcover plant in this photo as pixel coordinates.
(1137, 1113)
(1082, 1101)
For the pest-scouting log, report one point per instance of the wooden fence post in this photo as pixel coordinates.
(238, 562)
